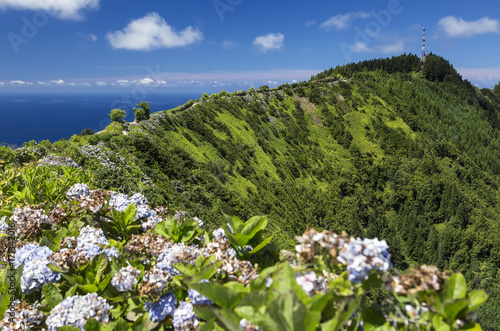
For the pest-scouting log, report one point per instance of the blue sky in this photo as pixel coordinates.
(207, 45)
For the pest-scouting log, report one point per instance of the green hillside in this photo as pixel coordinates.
(378, 149)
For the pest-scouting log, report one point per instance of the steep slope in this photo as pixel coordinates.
(376, 149)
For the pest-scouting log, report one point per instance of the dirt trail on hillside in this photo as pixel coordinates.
(309, 107)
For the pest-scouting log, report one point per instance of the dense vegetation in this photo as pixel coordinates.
(378, 149)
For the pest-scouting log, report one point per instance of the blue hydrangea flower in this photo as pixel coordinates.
(119, 201)
(197, 298)
(219, 233)
(112, 252)
(31, 252)
(184, 315)
(199, 221)
(88, 241)
(139, 199)
(144, 211)
(362, 256)
(159, 310)
(36, 274)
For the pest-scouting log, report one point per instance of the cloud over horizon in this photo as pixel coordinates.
(342, 21)
(152, 32)
(458, 27)
(63, 9)
(270, 42)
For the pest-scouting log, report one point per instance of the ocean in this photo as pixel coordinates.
(26, 117)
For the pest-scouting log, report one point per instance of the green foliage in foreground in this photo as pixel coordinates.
(263, 293)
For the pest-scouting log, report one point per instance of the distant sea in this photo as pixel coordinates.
(26, 117)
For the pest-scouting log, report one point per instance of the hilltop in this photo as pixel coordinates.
(378, 149)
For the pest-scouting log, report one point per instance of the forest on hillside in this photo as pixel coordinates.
(378, 149)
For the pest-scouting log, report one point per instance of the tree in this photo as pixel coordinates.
(497, 89)
(142, 112)
(87, 132)
(117, 115)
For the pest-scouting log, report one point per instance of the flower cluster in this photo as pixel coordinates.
(178, 253)
(364, 255)
(25, 317)
(28, 220)
(104, 157)
(311, 283)
(184, 317)
(30, 252)
(36, 274)
(76, 310)
(88, 241)
(125, 279)
(154, 282)
(57, 160)
(120, 202)
(247, 326)
(421, 279)
(198, 299)
(159, 310)
(149, 243)
(360, 256)
(77, 191)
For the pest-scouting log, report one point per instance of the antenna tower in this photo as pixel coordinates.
(424, 55)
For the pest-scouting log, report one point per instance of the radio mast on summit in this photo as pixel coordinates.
(422, 58)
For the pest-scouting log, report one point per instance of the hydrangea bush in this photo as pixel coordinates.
(98, 260)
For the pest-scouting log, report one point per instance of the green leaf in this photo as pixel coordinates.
(4, 303)
(88, 288)
(456, 287)
(372, 320)
(121, 325)
(229, 319)
(254, 225)
(226, 296)
(452, 310)
(68, 328)
(52, 294)
(471, 327)
(290, 313)
(262, 244)
(439, 324)
(476, 299)
(92, 325)
(235, 222)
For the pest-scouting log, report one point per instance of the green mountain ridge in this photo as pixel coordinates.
(378, 149)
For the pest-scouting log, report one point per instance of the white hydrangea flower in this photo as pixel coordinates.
(125, 279)
(36, 274)
(76, 310)
(184, 315)
(30, 252)
(78, 190)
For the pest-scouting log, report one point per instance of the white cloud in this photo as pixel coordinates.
(101, 83)
(457, 27)
(271, 41)
(57, 82)
(18, 83)
(63, 9)
(2, 83)
(72, 84)
(122, 82)
(342, 21)
(152, 32)
(42, 83)
(294, 81)
(146, 81)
